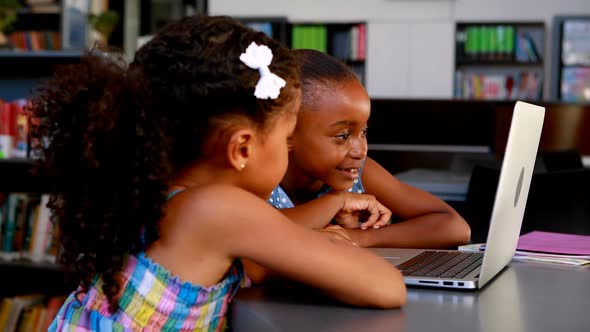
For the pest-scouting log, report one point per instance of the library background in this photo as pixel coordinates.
(443, 77)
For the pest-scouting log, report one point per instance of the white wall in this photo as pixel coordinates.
(410, 42)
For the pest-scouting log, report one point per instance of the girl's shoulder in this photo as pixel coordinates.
(218, 203)
(220, 194)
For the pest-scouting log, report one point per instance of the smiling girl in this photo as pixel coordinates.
(328, 165)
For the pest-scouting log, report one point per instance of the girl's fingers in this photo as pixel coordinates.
(374, 216)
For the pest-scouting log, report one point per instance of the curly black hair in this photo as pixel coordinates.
(112, 136)
(320, 73)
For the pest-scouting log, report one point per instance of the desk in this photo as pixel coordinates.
(524, 297)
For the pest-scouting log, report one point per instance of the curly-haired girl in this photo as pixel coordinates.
(160, 171)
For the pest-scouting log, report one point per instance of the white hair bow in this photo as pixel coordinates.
(259, 57)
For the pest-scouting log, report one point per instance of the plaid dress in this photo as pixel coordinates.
(151, 300)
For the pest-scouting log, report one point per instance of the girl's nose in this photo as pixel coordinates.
(359, 149)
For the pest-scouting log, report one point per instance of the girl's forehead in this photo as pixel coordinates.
(343, 99)
(333, 117)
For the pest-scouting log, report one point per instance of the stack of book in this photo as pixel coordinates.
(548, 247)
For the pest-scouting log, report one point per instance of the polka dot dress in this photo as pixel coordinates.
(279, 199)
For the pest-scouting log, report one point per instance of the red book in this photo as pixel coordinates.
(362, 42)
(53, 306)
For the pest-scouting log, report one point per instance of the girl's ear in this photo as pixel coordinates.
(240, 148)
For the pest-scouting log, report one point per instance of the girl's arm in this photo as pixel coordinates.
(428, 222)
(317, 213)
(245, 226)
(342, 206)
(259, 274)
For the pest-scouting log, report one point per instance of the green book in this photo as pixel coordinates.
(469, 46)
(509, 40)
(296, 37)
(494, 46)
(477, 41)
(485, 42)
(501, 39)
(321, 38)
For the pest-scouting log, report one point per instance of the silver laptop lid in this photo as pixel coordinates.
(513, 188)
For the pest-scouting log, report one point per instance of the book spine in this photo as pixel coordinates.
(362, 40)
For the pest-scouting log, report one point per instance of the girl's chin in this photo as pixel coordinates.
(342, 185)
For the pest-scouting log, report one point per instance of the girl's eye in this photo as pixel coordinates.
(343, 137)
(364, 132)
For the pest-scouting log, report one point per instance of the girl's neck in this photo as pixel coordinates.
(299, 187)
(198, 176)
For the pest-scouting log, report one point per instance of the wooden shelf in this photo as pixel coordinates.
(21, 178)
(16, 161)
(41, 54)
(45, 266)
(34, 64)
(20, 277)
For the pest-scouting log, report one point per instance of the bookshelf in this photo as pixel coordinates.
(34, 64)
(45, 34)
(570, 67)
(274, 27)
(28, 247)
(34, 48)
(499, 60)
(347, 41)
(26, 277)
(37, 27)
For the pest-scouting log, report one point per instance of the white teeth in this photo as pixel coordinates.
(350, 170)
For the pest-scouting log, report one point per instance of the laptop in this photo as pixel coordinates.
(472, 270)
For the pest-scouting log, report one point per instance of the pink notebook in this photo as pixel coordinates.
(555, 243)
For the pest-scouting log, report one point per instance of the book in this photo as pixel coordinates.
(575, 43)
(548, 247)
(28, 312)
(7, 129)
(362, 42)
(11, 227)
(16, 308)
(574, 84)
(74, 24)
(310, 36)
(554, 243)
(53, 306)
(43, 233)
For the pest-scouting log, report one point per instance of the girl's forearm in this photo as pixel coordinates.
(435, 230)
(317, 213)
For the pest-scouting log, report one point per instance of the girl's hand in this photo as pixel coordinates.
(362, 208)
(338, 233)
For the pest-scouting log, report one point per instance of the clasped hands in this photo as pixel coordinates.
(358, 212)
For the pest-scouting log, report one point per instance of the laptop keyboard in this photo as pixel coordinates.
(443, 264)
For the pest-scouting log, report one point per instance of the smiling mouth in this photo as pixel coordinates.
(350, 170)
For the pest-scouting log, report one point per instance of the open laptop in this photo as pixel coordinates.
(472, 270)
